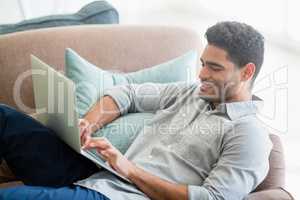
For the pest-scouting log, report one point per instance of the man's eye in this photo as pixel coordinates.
(216, 69)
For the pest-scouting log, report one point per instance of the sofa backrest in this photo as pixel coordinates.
(276, 175)
(123, 48)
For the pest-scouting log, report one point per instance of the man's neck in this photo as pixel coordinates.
(247, 96)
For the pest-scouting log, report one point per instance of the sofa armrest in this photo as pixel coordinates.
(271, 194)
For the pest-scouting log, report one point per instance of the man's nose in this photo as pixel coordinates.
(204, 73)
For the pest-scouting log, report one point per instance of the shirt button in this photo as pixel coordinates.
(150, 156)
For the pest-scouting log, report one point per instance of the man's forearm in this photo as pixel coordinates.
(103, 112)
(157, 188)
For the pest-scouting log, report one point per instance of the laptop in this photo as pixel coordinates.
(54, 96)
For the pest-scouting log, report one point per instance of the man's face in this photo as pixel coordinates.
(220, 78)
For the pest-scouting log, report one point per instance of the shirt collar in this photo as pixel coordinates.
(236, 110)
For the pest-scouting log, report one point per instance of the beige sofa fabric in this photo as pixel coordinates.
(276, 176)
(123, 48)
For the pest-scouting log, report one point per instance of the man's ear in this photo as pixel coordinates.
(248, 71)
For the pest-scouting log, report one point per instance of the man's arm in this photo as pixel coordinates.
(146, 97)
(157, 188)
(243, 164)
(153, 186)
(103, 112)
(119, 100)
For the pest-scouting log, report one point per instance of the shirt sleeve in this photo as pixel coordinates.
(243, 164)
(146, 97)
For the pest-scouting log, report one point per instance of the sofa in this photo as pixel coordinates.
(120, 47)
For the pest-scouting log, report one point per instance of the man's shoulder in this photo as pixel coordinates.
(251, 132)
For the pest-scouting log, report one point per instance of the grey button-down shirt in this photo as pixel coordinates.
(219, 153)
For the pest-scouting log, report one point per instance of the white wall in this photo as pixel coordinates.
(12, 11)
(278, 18)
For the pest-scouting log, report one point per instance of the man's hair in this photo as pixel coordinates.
(242, 43)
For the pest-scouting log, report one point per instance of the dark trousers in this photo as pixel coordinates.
(36, 155)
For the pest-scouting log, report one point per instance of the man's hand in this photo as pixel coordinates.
(86, 130)
(153, 186)
(102, 113)
(114, 157)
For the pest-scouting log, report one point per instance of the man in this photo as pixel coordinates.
(204, 142)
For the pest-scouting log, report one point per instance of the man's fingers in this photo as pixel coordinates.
(84, 136)
(83, 125)
(91, 145)
(86, 139)
(82, 133)
(104, 154)
(111, 152)
(96, 143)
(82, 122)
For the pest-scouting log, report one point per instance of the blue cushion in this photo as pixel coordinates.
(91, 81)
(98, 12)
